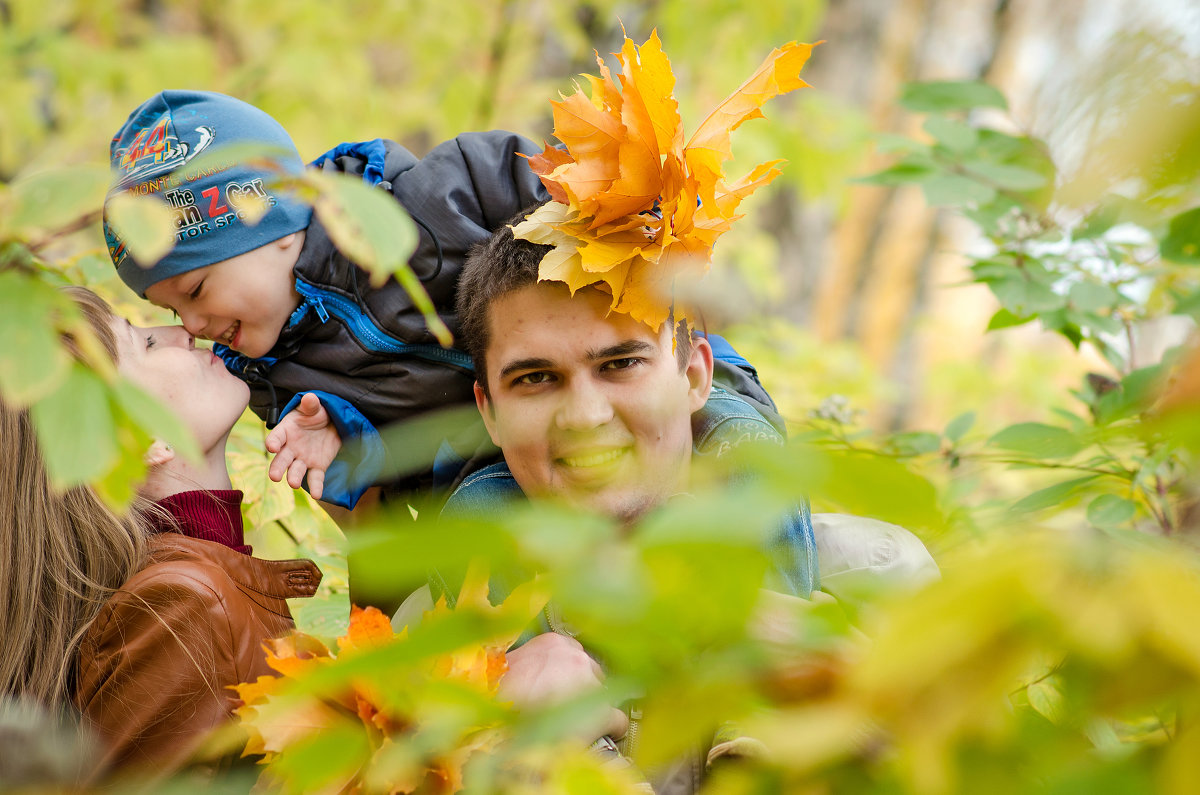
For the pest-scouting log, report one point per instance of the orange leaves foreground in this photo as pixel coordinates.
(375, 698)
(633, 209)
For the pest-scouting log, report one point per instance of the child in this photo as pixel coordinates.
(329, 357)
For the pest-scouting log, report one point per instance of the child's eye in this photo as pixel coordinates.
(532, 379)
(194, 294)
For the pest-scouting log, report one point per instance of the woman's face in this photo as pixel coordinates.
(192, 381)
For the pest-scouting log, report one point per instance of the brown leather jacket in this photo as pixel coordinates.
(155, 666)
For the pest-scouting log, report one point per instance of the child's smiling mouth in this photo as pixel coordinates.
(230, 334)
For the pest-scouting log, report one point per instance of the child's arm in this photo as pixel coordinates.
(309, 441)
(305, 442)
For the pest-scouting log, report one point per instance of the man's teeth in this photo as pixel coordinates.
(593, 459)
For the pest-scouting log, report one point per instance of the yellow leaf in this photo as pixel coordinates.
(251, 693)
(709, 147)
(634, 210)
(144, 225)
(296, 654)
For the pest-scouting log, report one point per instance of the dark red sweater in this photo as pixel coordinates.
(207, 515)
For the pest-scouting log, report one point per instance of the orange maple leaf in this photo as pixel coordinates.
(369, 629)
(632, 208)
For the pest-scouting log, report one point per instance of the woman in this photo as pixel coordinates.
(141, 621)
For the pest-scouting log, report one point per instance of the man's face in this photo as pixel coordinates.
(243, 301)
(588, 406)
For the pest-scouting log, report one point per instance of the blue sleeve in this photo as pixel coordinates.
(360, 461)
(793, 554)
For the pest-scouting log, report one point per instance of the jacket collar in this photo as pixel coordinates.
(283, 579)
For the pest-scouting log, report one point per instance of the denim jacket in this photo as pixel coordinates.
(724, 422)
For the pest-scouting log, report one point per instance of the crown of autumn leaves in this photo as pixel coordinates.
(632, 207)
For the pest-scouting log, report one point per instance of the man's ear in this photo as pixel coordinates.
(699, 373)
(159, 453)
(485, 410)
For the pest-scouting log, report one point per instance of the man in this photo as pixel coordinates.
(592, 407)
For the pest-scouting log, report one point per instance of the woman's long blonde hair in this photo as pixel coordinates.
(61, 553)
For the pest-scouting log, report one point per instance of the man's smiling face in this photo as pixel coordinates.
(587, 405)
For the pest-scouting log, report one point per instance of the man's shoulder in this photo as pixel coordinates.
(482, 490)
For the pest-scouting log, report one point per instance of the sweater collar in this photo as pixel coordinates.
(207, 515)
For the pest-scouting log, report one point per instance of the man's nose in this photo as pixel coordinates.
(584, 406)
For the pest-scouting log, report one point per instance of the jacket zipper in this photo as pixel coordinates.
(371, 336)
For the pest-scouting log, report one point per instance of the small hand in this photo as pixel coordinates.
(551, 668)
(304, 441)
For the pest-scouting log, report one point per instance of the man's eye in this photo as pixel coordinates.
(621, 364)
(532, 379)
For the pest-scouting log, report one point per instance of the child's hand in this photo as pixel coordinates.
(305, 440)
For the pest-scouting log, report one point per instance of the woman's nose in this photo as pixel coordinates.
(176, 335)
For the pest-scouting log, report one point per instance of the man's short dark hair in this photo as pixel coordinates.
(494, 268)
(500, 265)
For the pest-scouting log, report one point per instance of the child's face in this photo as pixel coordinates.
(243, 301)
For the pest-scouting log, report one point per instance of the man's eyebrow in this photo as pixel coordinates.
(626, 348)
(525, 364)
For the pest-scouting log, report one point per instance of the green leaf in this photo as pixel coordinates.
(1106, 323)
(1134, 396)
(1182, 243)
(1005, 319)
(905, 172)
(1038, 440)
(145, 225)
(1051, 495)
(1098, 221)
(1025, 297)
(1090, 296)
(915, 442)
(54, 199)
(1109, 510)
(937, 96)
(75, 429)
(373, 230)
(952, 134)
(1188, 304)
(1047, 700)
(32, 361)
(890, 143)
(1058, 320)
(954, 190)
(986, 270)
(1007, 177)
(958, 427)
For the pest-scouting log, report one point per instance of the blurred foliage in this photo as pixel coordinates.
(1059, 652)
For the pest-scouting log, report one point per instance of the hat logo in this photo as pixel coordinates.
(158, 150)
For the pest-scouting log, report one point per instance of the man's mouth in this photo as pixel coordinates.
(593, 459)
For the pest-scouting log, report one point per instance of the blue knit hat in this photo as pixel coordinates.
(150, 156)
